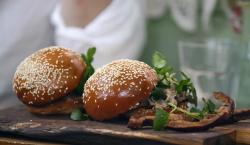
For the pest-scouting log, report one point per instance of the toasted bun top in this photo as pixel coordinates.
(117, 87)
(48, 75)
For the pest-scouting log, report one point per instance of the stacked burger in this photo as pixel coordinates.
(45, 83)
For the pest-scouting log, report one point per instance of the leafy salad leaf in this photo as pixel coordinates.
(77, 115)
(167, 80)
(89, 71)
(161, 119)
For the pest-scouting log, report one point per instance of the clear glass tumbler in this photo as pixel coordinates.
(212, 64)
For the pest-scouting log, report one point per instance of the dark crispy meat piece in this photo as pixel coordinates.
(238, 115)
(182, 123)
(140, 112)
(224, 113)
(136, 123)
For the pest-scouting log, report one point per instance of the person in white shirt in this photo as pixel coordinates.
(116, 28)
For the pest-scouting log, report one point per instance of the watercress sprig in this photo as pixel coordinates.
(162, 117)
(77, 115)
(167, 80)
(209, 108)
(89, 71)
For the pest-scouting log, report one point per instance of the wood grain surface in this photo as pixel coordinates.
(61, 128)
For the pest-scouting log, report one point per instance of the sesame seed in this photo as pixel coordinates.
(122, 74)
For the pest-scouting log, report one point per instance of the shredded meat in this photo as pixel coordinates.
(173, 97)
(183, 123)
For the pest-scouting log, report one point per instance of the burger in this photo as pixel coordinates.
(117, 87)
(45, 81)
(132, 88)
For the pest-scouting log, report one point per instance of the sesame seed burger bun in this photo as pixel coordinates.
(117, 87)
(48, 75)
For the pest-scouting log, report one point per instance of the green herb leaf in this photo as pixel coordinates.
(184, 75)
(194, 110)
(158, 60)
(209, 108)
(161, 119)
(211, 105)
(194, 95)
(165, 70)
(84, 57)
(91, 53)
(78, 116)
(167, 80)
(182, 84)
(162, 85)
(158, 93)
(89, 71)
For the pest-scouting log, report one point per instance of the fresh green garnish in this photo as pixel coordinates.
(167, 80)
(158, 93)
(89, 71)
(186, 86)
(77, 115)
(209, 108)
(196, 113)
(161, 119)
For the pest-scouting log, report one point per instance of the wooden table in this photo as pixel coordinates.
(35, 129)
(10, 139)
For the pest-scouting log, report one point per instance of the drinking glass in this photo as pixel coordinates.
(212, 64)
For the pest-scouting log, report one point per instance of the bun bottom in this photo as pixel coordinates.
(63, 106)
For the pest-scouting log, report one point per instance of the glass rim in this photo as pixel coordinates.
(201, 42)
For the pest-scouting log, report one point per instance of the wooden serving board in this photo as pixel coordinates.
(18, 120)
